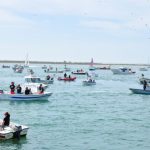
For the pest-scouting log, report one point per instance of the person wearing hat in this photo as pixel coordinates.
(12, 88)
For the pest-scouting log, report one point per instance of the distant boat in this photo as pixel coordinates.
(5, 66)
(104, 67)
(67, 79)
(89, 82)
(143, 69)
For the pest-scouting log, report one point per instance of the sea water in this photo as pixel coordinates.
(106, 116)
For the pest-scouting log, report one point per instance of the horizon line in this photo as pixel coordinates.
(70, 62)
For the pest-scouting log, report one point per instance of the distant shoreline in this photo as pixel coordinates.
(69, 63)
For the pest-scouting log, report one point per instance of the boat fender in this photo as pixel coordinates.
(16, 134)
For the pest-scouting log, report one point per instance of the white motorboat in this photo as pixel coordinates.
(89, 82)
(20, 97)
(34, 79)
(123, 71)
(13, 131)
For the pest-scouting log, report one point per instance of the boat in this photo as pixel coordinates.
(89, 82)
(140, 91)
(49, 70)
(123, 71)
(79, 72)
(67, 79)
(143, 69)
(18, 70)
(22, 97)
(5, 66)
(13, 131)
(44, 67)
(34, 79)
(104, 67)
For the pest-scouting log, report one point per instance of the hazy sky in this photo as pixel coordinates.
(110, 31)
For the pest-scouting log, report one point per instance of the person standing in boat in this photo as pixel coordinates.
(144, 84)
(6, 120)
(65, 75)
(19, 89)
(12, 88)
(41, 89)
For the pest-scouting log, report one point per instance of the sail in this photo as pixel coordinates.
(27, 61)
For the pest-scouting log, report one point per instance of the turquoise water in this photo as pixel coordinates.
(106, 116)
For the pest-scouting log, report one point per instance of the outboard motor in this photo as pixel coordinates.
(16, 134)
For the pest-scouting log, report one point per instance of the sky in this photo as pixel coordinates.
(109, 31)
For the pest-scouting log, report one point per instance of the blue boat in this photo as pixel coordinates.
(140, 91)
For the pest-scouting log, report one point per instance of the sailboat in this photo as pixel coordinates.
(91, 67)
(26, 64)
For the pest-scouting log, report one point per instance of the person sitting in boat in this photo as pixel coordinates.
(6, 120)
(144, 84)
(41, 89)
(12, 88)
(30, 92)
(27, 91)
(69, 76)
(19, 89)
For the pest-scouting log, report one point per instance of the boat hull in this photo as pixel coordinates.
(23, 97)
(66, 79)
(87, 83)
(140, 91)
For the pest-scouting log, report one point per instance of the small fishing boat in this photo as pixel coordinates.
(20, 97)
(13, 131)
(140, 91)
(5, 66)
(104, 67)
(67, 79)
(53, 71)
(89, 82)
(44, 67)
(143, 69)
